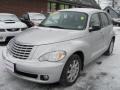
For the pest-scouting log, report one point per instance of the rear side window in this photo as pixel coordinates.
(110, 19)
(104, 19)
(94, 21)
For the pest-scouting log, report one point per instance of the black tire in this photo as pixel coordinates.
(64, 77)
(110, 49)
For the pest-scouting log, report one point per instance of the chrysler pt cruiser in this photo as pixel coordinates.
(61, 46)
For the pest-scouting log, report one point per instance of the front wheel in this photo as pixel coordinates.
(110, 49)
(71, 70)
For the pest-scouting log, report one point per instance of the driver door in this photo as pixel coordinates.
(95, 37)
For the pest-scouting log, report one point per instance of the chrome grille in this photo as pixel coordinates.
(18, 50)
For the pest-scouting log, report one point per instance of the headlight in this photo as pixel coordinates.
(53, 56)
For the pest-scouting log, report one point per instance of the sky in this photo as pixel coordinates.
(104, 3)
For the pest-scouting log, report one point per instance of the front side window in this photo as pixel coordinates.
(95, 21)
(66, 20)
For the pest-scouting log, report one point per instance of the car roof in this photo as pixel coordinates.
(6, 14)
(85, 10)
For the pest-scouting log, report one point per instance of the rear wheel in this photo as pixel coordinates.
(110, 49)
(71, 70)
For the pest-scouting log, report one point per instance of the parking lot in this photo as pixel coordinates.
(102, 74)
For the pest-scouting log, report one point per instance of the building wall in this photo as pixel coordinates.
(21, 6)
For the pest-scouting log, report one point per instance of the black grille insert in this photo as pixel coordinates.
(26, 74)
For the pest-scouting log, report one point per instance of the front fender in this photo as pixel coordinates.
(70, 47)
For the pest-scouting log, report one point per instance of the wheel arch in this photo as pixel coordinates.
(81, 54)
(113, 38)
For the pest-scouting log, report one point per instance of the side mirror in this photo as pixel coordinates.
(94, 28)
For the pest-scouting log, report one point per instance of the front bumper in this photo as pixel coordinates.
(32, 70)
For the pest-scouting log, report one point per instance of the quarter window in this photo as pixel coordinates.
(110, 20)
(104, 19)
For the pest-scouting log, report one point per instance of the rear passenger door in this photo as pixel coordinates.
(106, 28)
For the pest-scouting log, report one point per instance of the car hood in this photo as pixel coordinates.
(40, 35)
(12, 24)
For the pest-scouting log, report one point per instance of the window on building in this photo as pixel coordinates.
(49, 6)
(73, 6)
(66, 6)
(62, 6)
(53, 7)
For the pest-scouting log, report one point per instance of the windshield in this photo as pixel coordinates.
(37, 16)
(8, 18)
(66, 20)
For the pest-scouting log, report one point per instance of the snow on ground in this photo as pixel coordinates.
(101, 74)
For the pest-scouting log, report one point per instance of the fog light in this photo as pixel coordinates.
(44, 77)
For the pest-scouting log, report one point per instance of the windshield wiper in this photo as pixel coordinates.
(56, 27)
(52, 26)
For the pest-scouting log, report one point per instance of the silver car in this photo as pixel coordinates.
(61, 46)
(10, 26)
